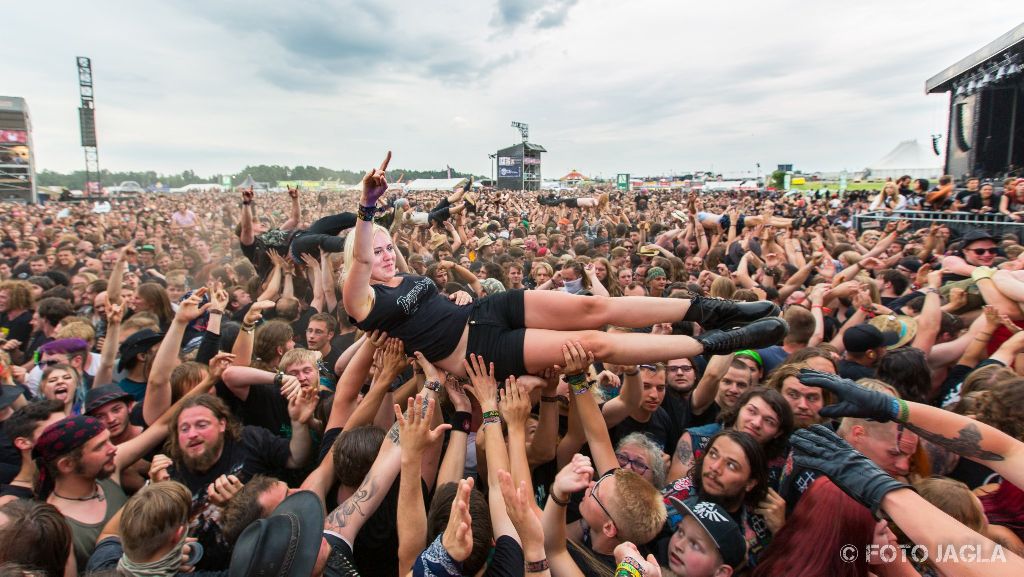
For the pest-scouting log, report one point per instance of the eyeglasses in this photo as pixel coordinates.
(50, 363)
(981, 251)
(680, 368)
(593, 494)
(638, 466)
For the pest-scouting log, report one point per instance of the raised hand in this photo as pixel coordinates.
(302, 405)
(158, 468)
(393, 360)
(247, 195)
(430, 372)
(629, 554)
(219, 297)
(414, 426)
(457, 395)
(461, 298)
(577, 359)
(457, 539)
(190, 309)
(515, 403)
(519, 504)
(773, 509)
(255, 312)
(115, 312)
(573, 478)
(218, 364)
(375, 183)
(293, 192)
(484, 388)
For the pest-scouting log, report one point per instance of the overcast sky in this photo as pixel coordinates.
(644, 86)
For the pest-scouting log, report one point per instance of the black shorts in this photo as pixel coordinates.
(497, 331)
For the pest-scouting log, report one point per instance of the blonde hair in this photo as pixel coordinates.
(350, 247)
(722, 287)
(638, 506)
(954, 499)
(151, 516)
(298, 356)
(76, 330)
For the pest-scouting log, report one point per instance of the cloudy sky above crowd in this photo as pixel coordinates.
(646, 86)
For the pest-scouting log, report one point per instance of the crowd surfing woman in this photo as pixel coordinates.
(523, 332)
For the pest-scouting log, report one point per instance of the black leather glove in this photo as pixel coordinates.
(819, 448)
(854, 400)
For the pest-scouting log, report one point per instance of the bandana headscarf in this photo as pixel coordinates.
(58, 440)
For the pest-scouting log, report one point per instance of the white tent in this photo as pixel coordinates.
(909, 157)
(436, 184)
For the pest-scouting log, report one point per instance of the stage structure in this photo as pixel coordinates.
(17, 157)
(87, 126)
(519, 165)
(985, 133)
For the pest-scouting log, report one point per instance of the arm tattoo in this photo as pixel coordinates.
(684, 452)
(393, 433)
(354, 504)
(966, 444)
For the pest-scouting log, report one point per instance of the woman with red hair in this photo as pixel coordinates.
(836, 522)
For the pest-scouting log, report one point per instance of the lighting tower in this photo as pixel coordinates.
(524, 129)
(87, 125)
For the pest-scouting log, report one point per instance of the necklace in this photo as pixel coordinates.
(95, 495)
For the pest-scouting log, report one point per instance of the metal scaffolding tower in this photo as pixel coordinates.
(87, 124)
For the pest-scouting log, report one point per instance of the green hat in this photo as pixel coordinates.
(751, 354)
(655, 272)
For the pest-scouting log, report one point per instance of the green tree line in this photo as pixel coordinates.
(260, 173)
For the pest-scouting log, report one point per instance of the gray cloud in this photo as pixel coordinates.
(510, 14)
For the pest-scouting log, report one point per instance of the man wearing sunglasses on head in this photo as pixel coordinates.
(980, 249)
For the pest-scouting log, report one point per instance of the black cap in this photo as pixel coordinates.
(976, 234)
(864, 337)
(599, 241)
(139, 342)
(99, 396)
(9, 244)
(718, 524)
(911, 263)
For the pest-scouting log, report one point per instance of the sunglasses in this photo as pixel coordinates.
(981, 251)
(638, 466)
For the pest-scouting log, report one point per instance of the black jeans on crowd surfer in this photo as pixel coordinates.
(322, 235)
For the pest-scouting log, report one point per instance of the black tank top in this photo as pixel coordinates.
(419, 315)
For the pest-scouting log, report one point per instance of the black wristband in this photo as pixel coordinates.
(461, 421)
(278, 379)
(558, 501)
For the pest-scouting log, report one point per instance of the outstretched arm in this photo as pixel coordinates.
(348, 518)
(358, 295)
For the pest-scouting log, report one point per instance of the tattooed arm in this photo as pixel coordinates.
(969, 438)
(348, 518)
(682, 460)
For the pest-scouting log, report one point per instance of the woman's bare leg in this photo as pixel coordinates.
(560, 311)
(1004, 292)
(543, 348)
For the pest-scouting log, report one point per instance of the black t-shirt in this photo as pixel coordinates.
(853, 371)
(265, 407)
(506, 559)
(10, 458)
(257, 452)
(678, 409)
(17, 329)
(710, 415)
(659, 429)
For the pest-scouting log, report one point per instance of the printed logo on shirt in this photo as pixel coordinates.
(410, 303)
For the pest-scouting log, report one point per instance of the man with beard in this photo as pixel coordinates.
(209, 446)
(732, 473)
(681, 378)
(79, 473)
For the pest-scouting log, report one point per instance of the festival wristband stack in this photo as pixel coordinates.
(628, 568)
(432, 385)
(578, 383)
(537, 566)
(491, 417)
(366, 212)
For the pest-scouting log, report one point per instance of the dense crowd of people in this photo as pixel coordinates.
(481, 382)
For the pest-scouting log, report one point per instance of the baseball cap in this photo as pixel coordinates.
(99, 396)
(718, 524)
(976, 234)
(9, 394)
(911, 263)
(864, 337)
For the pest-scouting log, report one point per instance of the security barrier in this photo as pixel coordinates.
(960, 221)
